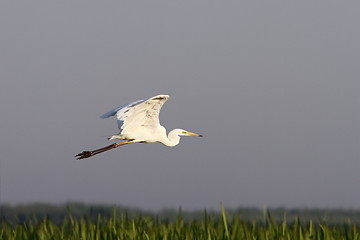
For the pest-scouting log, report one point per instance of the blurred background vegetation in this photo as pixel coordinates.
(20, 213)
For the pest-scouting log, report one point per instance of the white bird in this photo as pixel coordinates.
(139, 122)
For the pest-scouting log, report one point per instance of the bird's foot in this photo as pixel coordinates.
(84, 154)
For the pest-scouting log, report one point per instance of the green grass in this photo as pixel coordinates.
(121, 226)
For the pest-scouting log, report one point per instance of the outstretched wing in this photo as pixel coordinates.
(123, 109)
(138, 114)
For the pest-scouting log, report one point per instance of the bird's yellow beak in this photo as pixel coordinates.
(193, 134)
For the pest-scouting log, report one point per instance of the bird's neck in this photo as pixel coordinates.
(172, 139)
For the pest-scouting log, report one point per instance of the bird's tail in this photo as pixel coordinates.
(114, 137)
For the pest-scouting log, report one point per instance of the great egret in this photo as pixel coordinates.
(139, 122)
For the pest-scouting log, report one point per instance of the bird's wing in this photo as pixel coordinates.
(142, 113)
(123, 108)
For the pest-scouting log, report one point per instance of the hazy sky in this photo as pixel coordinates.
(272, 85)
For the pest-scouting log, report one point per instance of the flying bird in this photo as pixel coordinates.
(139, 123)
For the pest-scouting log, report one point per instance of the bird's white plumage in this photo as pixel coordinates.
(139, 122)
(140, 119)
(121, 110)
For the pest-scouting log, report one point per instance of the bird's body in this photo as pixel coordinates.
(139, 122)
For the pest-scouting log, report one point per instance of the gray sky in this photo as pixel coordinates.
(272, 85)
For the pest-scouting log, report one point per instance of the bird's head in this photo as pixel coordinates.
(182, 132)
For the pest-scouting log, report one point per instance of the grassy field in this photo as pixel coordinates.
(122, 226)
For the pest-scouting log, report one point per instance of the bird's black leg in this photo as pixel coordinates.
(87, 154)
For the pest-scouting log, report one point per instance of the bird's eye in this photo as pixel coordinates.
(184, 132)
